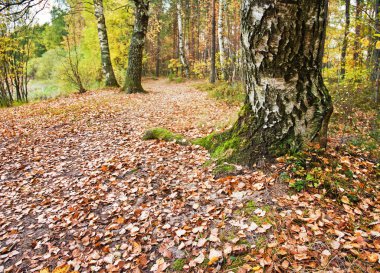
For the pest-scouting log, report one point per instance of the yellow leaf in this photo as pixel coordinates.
(256, 268)
(45, 270)
(345, 200)
(120, 220)
(373, 257)
(213, 260)
(62, 269)
(365, 42)
(378, 45)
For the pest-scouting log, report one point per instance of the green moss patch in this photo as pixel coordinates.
(163, 134)
(224, 169)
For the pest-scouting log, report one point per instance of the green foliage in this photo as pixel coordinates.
(48, 89)
(47, 66)
(53, 34)
(200, 69)
(175, 79)
(299, 185)
(236, 262)
(232, 93)
(331, 174)
(174, 67)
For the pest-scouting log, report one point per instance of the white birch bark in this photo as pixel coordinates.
(182, 54)
(222, 52)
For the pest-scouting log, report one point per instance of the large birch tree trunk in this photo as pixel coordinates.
(181, 40)
(222, 52)
(134, 71)
(287, 103)
(107, 69)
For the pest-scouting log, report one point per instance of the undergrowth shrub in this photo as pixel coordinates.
(232, 93)
(334, 174)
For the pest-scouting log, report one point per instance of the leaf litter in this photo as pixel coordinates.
(81, 192)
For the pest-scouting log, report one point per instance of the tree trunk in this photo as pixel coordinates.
(222, 8)
(358, 17)
(158, 53)
(345, 41)
(198, 29)
(109, 75)
(158, 40)
(213, 44)
(287, 103)
(134, 71)
(376, 56)
(182, 53)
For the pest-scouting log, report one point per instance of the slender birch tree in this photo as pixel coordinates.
(181, 40)
(222, 9)
(213, 43)
(107, 69)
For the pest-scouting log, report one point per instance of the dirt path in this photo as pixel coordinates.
(73, 168)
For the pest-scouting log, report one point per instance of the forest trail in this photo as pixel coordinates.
(79, 186)
(73, 167)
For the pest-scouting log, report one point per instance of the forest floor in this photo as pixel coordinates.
(79, 188)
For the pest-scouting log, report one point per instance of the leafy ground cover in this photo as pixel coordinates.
(81, 190)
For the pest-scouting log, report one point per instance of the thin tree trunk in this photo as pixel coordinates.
(175, 35)
(345, 41)
(198, 30)
(134, 71)
(376, 56)
(108, 73)
(358, 17)
(182, 53)
(213, 44)
(222, 8)
(158, 53)
(287, 103)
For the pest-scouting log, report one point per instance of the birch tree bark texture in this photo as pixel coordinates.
(287, 103)
(107, 69)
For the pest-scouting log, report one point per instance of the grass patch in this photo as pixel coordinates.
(260, 242)
(232, 93)
(235, 263)
(178, 264)
(228, 235)
(176, 79)
(163, 134)
(335, 175)
(48, 89)
(248, 210)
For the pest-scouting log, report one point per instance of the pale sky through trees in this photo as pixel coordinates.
(43, 16)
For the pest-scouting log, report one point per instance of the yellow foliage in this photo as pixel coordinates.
(59, 269)
(62, 269)
(365, 42)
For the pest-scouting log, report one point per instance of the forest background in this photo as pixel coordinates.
(34, 57)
